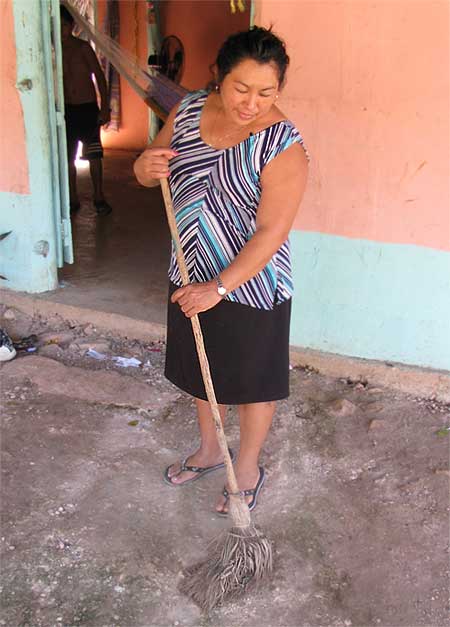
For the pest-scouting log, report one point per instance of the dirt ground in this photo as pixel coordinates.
(356, 500)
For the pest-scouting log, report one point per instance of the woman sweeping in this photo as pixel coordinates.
(237, 172)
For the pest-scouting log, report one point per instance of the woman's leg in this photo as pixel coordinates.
(255, 421)
(209, 453)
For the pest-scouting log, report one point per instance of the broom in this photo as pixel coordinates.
(242, 554)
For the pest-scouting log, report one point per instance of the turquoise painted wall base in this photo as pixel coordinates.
(371, 300)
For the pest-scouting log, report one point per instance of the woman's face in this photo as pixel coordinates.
(249, 91)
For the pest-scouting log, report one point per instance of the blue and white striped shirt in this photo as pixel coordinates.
(216, 195)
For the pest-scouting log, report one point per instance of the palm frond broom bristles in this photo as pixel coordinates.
(242, 555)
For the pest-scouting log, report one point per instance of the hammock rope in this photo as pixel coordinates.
(157, 91)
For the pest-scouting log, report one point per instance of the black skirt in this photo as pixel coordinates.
(247, 349)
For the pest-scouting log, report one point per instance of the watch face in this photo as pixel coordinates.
(222, 290)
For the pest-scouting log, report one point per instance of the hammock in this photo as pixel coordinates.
(157, 91)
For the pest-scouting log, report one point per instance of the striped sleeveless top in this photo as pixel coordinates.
(216, 195)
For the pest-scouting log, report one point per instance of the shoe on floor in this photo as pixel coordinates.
(7, 350)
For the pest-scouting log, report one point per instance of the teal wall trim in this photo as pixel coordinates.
(371, 300)
(28, 255)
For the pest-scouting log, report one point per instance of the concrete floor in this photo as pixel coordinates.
(121, 260)
(355, 502)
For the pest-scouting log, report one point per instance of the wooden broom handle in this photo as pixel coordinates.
(198, 335)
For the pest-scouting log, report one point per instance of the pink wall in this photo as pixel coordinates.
(202, 26)
(369, 89)
(13, 154)
(133, 37)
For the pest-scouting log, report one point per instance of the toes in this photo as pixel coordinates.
(222, 506)
(172, 471)
(180, 477)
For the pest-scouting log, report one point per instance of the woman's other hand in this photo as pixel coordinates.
(196, 297)
(152, 165)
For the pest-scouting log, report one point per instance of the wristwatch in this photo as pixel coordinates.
(221, 289)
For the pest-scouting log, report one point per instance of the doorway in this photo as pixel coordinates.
(121, 260)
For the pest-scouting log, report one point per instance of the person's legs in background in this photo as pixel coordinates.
(96, 171)
(93, 152)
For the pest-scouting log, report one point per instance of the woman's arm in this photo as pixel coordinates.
(153, 163)
(283, 184)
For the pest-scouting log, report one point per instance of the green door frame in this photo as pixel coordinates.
(37, 221)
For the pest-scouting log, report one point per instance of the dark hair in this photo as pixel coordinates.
(65, 14)
(259, 44)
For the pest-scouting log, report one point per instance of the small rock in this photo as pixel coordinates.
(100, 347)
(375, 407)
(88, 329)
(9, 314)
(53, 351)
(56, 337)
(376, 424)
(342, 407)
(442, 471)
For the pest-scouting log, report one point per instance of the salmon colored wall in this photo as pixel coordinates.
(369, 89)
(13, 155)
(133, 132)
(202, 26)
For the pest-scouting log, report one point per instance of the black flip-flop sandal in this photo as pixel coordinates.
(199, 470)
(250, 492)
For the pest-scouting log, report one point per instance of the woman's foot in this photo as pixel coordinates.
(194, 467)
(250, 483)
